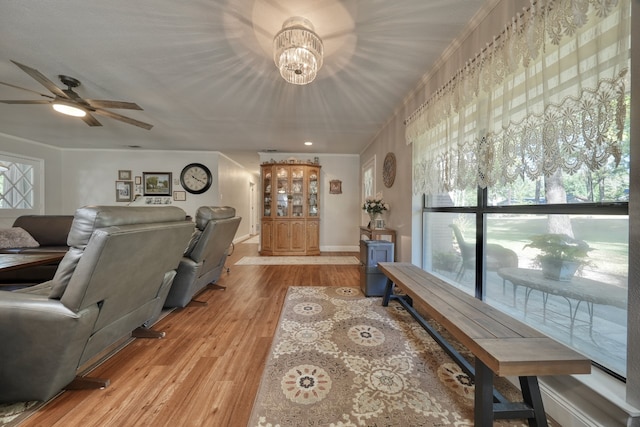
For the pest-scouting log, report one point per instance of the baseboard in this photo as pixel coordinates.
(241, 238)
(595, 400)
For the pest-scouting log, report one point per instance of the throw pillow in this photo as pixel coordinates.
(16, 237)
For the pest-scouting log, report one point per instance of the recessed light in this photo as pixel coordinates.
(308, 143)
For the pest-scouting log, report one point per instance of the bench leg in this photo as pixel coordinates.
(387, 293)
(483, 410)
(531, 396)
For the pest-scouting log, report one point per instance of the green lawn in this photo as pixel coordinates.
(607, 236)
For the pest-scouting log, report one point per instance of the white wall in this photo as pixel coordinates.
(339, 213)
(89, 176)
(399, 216)
(75, 178)
(234, 190)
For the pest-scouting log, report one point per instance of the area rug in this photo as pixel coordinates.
(341, 359)
(297, 260)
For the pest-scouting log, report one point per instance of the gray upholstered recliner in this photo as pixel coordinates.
(205, 256)
(114, 279)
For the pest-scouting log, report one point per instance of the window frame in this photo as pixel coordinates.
(38, 185)
(483, 209)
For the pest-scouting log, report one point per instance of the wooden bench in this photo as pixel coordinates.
(501, 344)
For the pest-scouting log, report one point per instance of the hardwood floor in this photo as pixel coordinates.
(206, 371)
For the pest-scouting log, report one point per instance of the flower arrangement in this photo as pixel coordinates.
(375, 204)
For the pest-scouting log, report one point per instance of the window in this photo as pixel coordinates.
(19, 185)
(587, 312)
(530, 141)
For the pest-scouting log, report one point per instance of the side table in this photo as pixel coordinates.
(373, 234)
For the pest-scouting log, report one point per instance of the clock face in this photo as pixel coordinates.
(389, 170)
(195, 178)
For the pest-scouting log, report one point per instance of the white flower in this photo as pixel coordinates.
(375, 204)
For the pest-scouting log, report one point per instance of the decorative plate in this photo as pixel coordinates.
(389, 170)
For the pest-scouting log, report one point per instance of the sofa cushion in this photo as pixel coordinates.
(16, 237)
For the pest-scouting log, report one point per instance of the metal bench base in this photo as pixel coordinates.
(489, 404)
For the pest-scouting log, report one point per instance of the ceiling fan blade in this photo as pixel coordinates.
(39, 101)
(90, 120)
(122, 118)
(102, 103)
(28, 90)
(42, 80)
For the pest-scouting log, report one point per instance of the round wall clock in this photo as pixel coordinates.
(389, 170)
(195, 178)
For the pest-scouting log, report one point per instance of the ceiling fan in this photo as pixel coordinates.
(68, 102)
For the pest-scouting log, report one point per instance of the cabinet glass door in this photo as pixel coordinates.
(313, 192)
(266, 191)
(282, 188)
(297, 191)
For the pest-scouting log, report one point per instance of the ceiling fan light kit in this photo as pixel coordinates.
(68, 109)
(298, 51)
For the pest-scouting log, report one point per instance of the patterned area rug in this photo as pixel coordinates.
(341, 359)
(297, 260)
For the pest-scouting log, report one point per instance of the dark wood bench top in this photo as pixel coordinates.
(505, 345)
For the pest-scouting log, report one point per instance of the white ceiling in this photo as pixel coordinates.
(204, 74)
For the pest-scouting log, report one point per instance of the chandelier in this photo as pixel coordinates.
(297, 51)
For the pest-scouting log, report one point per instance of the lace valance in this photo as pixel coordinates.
(548, 93)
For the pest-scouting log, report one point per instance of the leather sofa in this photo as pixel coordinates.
(204, 258)
(50, 232)
(114, 279)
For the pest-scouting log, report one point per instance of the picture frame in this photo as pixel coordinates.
(124, 191)
(138, 180)
(179, 196)
(124, 175)
(335, 186)
(157, 183)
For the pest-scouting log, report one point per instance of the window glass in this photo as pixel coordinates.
(609, 184)
(450, 245)
(586, 310)
(16, 185)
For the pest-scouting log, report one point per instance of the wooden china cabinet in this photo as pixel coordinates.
(290, 209)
